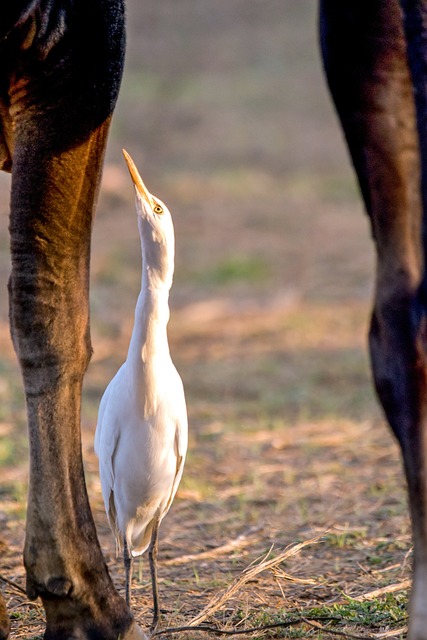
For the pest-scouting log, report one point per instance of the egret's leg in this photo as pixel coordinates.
(152, 555)
(128, 562)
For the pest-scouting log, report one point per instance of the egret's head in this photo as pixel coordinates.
(156, 229)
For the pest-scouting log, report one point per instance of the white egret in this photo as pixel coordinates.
(141, 436)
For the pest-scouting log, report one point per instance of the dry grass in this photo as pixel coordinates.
(257, 477)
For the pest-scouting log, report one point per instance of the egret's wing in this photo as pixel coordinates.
(181, 439)
(181, 435)
(106, 441)
(112, 519)
(100, 423)
(108, 445)
(180, 460)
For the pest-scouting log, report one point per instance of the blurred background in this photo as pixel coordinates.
(225, 111)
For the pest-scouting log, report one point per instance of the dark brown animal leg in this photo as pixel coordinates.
(50, 229)
(59, 79)
(365, 59)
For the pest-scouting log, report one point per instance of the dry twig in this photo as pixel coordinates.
(248, 574)
(236, 632)
(12, 584)
(391, 588)
(335, 632)
(392, 633)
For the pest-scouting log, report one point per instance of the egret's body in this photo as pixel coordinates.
(141, 436)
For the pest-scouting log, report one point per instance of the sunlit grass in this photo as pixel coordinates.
(234, 270)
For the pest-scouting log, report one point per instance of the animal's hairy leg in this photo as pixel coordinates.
(366, 63)
(51, 217)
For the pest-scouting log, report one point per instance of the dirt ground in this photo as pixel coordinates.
(224, 109)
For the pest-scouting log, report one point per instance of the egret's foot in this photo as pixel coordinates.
(154, 625)
(4, 620)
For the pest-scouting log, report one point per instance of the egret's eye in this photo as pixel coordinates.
(158, 209)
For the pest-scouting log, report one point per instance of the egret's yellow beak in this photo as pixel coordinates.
(137, 180)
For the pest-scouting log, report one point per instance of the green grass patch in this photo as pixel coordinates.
(345, 539)
(387, 613)
(236, 269)
(372, 613)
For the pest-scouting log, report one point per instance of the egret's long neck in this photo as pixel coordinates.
(149, 342)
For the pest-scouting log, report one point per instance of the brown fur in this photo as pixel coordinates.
(365, 50)
(60, 74)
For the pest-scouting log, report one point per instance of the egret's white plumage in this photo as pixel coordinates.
(141, 436)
